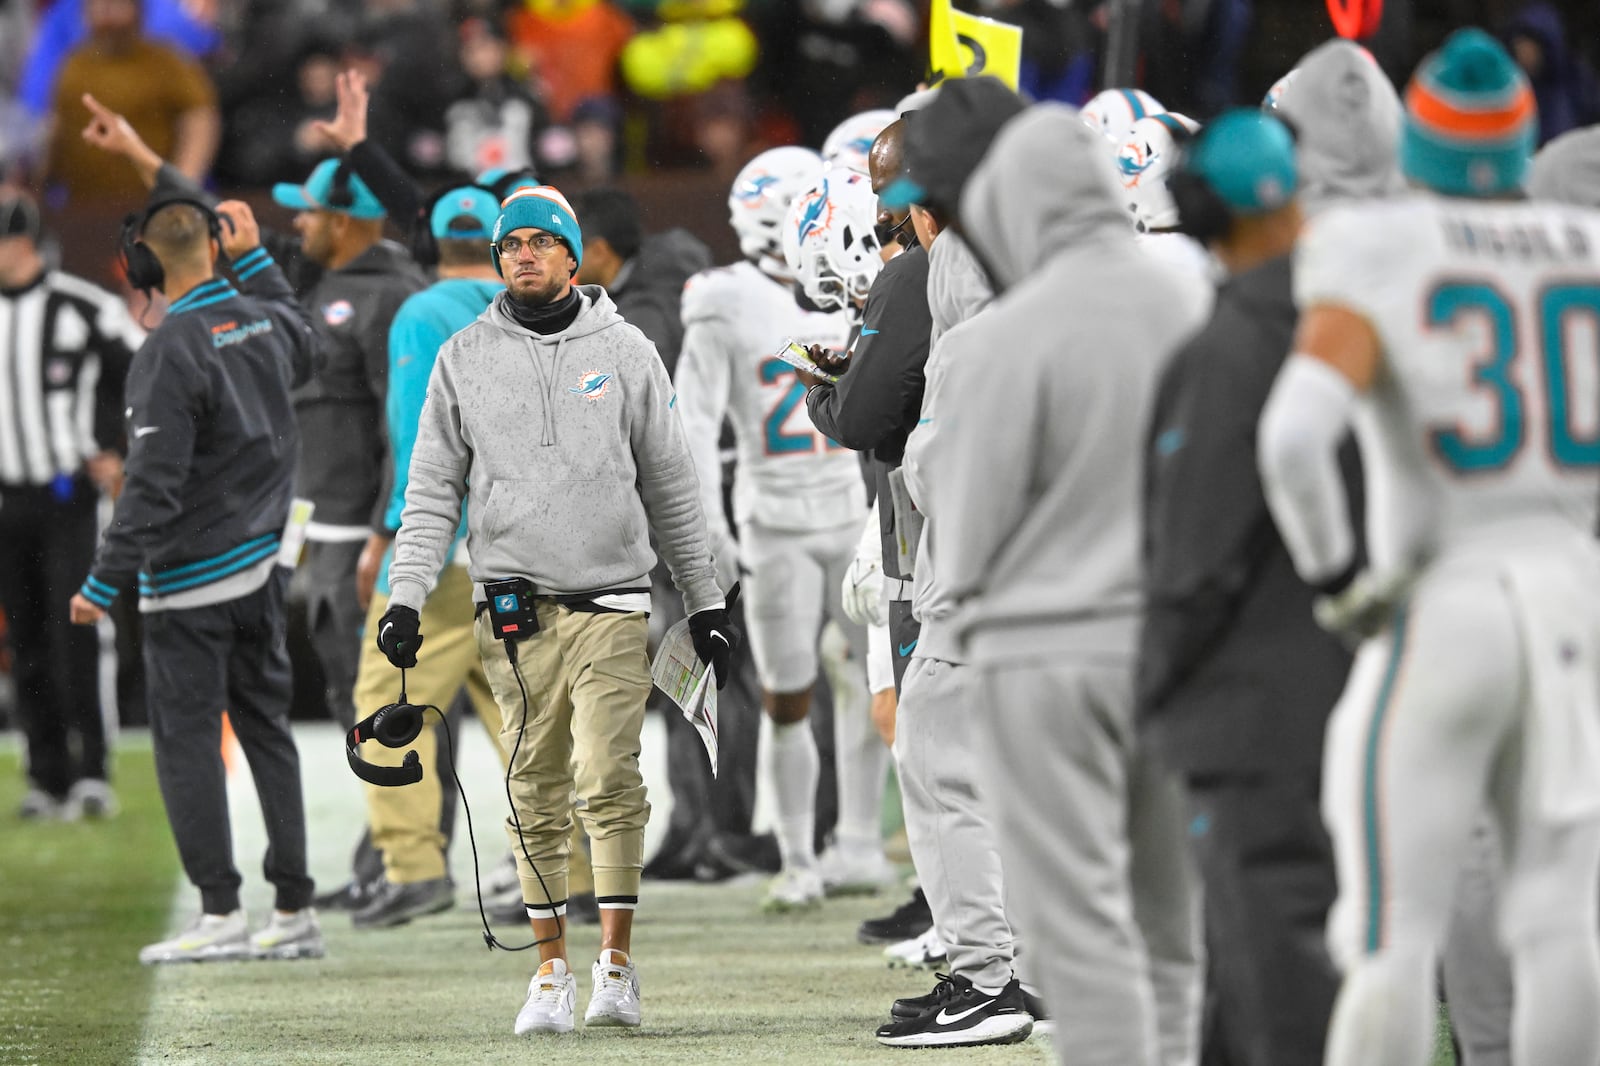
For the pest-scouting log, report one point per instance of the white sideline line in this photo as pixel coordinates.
(335, 814)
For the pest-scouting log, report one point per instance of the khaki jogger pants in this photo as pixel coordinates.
(405, 821)
(587, 676)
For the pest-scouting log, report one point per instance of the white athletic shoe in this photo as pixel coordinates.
(793, 890)
(90, 798)
(552, 1000)
(211, 938)
(501, 879)
(925, 952)
(849, 871)
(289, 936)
(615, 997)
(39, 806)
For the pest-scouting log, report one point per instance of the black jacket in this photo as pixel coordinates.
(341, 409)
(1234, 674)
(211, 437)
(878, 399)
(648, 290)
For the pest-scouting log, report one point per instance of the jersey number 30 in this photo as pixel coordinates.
(1560, 307)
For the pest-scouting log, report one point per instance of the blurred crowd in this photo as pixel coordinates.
(594, 89)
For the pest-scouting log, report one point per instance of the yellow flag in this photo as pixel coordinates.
(962, 45)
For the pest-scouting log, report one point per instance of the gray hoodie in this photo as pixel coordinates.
(572, 451)
(1347, 117)
(1039, 451)
(957, 290)
(1567, 170)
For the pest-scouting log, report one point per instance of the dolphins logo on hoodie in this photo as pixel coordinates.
(592, 385)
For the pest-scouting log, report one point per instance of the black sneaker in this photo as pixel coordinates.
(1042, 1023)
(353, 895)
(947, 989)
(395, 904)
(583, 909)
(965, 1019)
(909, 921)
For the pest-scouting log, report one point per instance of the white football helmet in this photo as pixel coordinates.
(830, 244)
(1114, 111)
(847, 146)
(761, 195)
(1274, 94)
(1143, 162)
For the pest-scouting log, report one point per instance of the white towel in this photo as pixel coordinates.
(1555, 599)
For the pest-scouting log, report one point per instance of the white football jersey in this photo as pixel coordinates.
(1482, 430)
(789, 476)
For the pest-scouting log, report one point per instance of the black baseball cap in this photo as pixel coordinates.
(946, 140)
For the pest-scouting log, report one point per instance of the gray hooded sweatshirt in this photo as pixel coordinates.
(1347, 116)
(1039, 448)
(572, 451)
(957, 290)
(1567, 170)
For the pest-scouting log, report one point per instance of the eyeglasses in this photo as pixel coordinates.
(539, 244)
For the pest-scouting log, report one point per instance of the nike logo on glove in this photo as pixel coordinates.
(144, 431)
(385, 631)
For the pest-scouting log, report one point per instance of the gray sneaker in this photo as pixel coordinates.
(211, 938)
(289, 936)
(395, 904)
(39, 806)
(90, 798)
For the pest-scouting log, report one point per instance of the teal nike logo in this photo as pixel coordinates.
(907, 649)
(868, 332)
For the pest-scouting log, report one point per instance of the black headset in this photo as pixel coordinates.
(394, 726)
(1202, 213)
(143, 268)
(424, 245)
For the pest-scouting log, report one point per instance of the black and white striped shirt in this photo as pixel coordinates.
(65, 346)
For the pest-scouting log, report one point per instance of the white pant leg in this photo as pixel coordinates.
(784, 600)
(1426, 712)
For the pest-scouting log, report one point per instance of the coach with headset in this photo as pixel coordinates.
(196, 532)
(1235, 679)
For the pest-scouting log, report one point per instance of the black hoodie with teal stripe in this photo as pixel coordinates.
(212, 444)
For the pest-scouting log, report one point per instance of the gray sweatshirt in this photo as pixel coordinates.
(1567, 170)
(1041, 443)
(957, 290)
(572, 451)
(1347, 117)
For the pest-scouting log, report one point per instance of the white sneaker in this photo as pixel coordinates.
(615, 998)
(39, 806)
(793, 890)
(925, 952)
(289, 936)
(852, 871)
(211, 938)
(90, 798)
(552, 999)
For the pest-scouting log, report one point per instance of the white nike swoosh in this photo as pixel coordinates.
(946, 1018)
(144, 431)
(385, 630)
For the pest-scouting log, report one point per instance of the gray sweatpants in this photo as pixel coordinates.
(1093, 838)
(949, 823)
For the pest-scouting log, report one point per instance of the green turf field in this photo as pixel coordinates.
(76, 904)
(721, 982)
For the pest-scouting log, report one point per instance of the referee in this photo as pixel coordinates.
(65, 346)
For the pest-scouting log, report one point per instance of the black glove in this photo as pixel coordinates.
(715, 640)
(400, 635)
